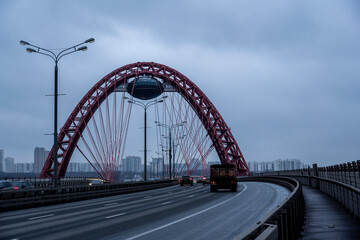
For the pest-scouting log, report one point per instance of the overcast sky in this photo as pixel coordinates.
(284, 75)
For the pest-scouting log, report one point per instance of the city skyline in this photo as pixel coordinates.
(150, 163)
(286, 83)
(276, 165)
(130, 164)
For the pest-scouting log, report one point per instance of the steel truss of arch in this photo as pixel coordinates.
(219, 133)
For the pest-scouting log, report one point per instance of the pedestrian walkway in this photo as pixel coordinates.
(327, 219)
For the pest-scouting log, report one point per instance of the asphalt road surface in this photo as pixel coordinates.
(188, 212)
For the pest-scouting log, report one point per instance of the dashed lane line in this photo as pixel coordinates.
(116, 215)
(111, 204)
(44, 216)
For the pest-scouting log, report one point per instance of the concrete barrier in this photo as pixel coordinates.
(16, 199)
(283, 222)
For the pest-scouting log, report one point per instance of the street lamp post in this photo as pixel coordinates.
(171, 144)
(170, 155)
(145, 107)
(174, 153)
(56, 58)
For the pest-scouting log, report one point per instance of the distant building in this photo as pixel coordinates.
(40, 155)
(297, 164)
(80, 167)
(156, 167)
(131, 164)
(9, 165)
(24, 167)
(1, 160)
(251, 166)
(277, 165)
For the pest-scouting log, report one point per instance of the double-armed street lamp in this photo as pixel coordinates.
(170, 142)
(56, 57)
(145, 107)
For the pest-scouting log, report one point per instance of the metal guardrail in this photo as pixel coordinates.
(341, 182)
(47, 182)
(348, 173)
(26, 198)
(283, 222)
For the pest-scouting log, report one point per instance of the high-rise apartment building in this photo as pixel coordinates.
(80, 167)
(156, 167)
(277, 165)
(40, 155)
(1, 160)
(9, 165)
(131, 164)
(24, 167)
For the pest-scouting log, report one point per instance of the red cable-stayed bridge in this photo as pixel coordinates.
(100, 121)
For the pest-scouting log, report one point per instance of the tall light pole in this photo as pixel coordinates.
(171, 145)
(145, 107)
(56, 58)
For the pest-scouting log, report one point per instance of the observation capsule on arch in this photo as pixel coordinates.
(145, 88)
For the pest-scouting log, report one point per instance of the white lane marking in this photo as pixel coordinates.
(15, 239)
(44, 216)
(187, 217)
(165, 203)
(190, 196)
(111, 204)
(116, 215)
(147, 197)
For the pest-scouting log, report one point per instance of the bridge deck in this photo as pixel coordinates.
(326, 219)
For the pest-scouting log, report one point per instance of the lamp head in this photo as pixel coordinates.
(84, 48)
(30, 50)
(90, 40)
(22, 42)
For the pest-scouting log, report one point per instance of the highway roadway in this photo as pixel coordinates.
(188, 212)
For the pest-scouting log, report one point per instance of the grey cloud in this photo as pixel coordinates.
(284, 75)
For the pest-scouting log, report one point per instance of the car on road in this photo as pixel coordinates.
(23, 184)
(186, 180)
(205, 180)
(96, 182)
(199, 180)
(6, 185)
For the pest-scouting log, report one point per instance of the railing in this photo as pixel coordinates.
(47, 182)
(286, 220)
(341, 182)
(348, 173)
(16, 199)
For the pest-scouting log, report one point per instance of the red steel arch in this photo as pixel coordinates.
(219, 133)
